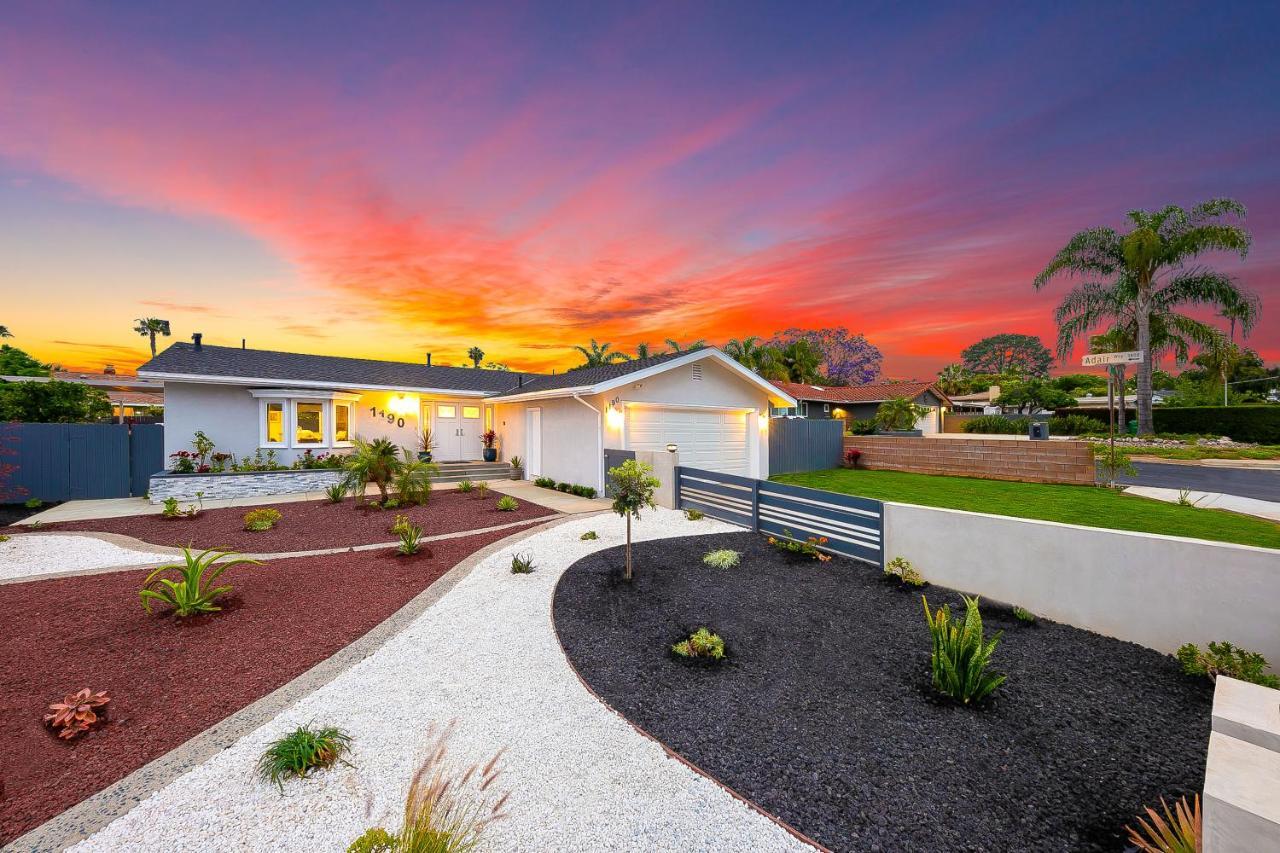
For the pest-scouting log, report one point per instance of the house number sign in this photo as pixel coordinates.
(389, 417)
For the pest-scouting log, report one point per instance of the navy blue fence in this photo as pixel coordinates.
(851, 525)
(804, 444)
(59, 462)
(612, 459)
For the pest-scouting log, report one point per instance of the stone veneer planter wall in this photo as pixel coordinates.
(241, 484)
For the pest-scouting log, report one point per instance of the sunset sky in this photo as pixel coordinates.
(380, 180)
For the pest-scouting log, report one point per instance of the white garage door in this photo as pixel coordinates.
(715, 441)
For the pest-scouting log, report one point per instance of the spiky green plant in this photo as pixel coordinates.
(506, 503)
(465, 486)
(336, 493)
(725, 558)
(1226, 659)
(482, 490)
(192, 591)
(410, 539)
(1179, 831)
(301, 751)
(960, 654)
(701, 644)
(521, 564)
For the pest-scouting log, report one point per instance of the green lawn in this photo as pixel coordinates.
(1086, 505)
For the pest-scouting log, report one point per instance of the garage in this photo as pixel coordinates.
(712, 439)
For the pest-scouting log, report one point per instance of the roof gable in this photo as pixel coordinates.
(872, 392)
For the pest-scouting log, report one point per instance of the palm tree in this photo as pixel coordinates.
(1245, 313)
(1222, 357)
(1148, 265)
(953, 378)
(746, 351)
(476, 355)
(375, 462)
(598, 355)
(5, 333)
(643, 351)
(149, 327)
(700, 343)
(801, 361)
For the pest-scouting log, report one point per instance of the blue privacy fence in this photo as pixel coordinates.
(805, 444)
(59, 462)
(852, 526)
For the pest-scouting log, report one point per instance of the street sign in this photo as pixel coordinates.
(1134, 357)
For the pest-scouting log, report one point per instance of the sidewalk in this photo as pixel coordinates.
(1269, 510)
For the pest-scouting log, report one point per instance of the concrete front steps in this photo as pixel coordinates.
(456, 472)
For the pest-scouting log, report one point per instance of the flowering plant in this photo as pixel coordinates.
(851, 457)
(184, 462)
(807, 549)
(490, 438)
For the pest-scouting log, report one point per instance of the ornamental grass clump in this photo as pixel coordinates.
(336, 493)
(725, 558)
(701, 644)
(1226, 659)
(301, 751)
(482, 491)
(259, 520)
(960, 655)
(77, 713)
(522, 564)
(1179, 831)
(449, 808)
(191, 590)
(506, 503)
(466, 486)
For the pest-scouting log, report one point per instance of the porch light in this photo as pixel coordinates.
(402, 405)
(613, 416)
(673, 447)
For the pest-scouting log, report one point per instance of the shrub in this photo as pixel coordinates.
(564, 487)
(399, 524)
(807, 549)
(899, 414)
(506, 503)
(701, 644)
(901, 568)
(4, 537)
(1075, 425)
(170, 509)
(1259, 424)
(410, 539)
(448, 809)
(1226, 659)
(465, 486)
(389, 503)
(522, 564)
(694, 514)
(76, 713)
(851, 457)
(259, 520)
(308, 461)
(867, 427)
(725, 558)
(589, 535)
(960, 654)
(584, 491)
(482, 490)
(336, 493)
(1178, 831)
(184, 462)
(259, 462)
(193, 592)
(300, 751)
(997, 425)
(545, 482)
(1023, 614)
(33, 503)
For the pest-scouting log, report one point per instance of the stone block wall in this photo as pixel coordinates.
(240, 484)
(987, 458)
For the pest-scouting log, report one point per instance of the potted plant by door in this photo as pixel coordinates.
(490, 441)
(426, 444)
(517, 468)
(899, 417)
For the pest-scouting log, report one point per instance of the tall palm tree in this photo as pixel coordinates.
(598, 355)
(745, 351)
(643, 351)
(149, 327)
(1245, 313)
(953, 378)
(476, 355)
(700, 343)
(1147, 264)
(1222, 357)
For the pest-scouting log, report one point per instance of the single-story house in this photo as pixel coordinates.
(713, 409)
(859, 402)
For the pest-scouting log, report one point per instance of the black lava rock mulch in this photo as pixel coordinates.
(824, 713)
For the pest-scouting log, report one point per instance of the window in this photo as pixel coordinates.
(804, 408)
(341, 422)
(274, 425)
(309, 423)
(446, 412)
(471, 411)
(826, 407)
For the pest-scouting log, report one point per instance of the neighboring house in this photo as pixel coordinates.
(130, 396)
(859, 402)
(714, 410)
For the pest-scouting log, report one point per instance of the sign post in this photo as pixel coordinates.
(1111, 359)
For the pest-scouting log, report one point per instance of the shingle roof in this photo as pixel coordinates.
(874, 392)
(233, 362)
(590, 375)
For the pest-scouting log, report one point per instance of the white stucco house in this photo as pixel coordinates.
(713, 409)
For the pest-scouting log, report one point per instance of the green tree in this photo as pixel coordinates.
(955, 379)
(1222, 358)
(1079, 384)
(745, 351)
(801, 361)
(633, 484)
(149, 327)
(700, 343)
(52, 402)
(476, 355)
(375, 462)
(1150, 263)
(899, 414)
(644, 351)
(598, 355)
(1008, 353)
(1245, 313)
(1033, 394)
(15, 362)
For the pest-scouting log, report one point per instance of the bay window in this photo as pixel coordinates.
(304, 419)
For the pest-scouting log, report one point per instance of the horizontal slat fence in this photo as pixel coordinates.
(852, 526)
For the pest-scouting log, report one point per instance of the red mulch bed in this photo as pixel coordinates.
(171, 679)
(311, 525)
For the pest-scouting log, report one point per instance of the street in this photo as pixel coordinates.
(1249, 483)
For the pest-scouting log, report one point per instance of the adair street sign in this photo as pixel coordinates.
(1096, 359)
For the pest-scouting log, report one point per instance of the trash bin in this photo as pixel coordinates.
(1038, 431)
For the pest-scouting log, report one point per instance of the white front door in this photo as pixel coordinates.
(533, 443)
(708, 439)
(456, 428)
(470, 427)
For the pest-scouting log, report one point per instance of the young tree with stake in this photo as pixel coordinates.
(633, 485)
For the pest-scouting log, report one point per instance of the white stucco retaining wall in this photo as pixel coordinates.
(1158, 591)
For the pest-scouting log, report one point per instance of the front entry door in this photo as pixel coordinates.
(457, 429)
(469, 431)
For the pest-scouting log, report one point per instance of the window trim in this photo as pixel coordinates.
(263, 404)
(326, 433)
(333, 421)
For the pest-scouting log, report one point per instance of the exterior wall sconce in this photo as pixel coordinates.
(402, 405)
(613, 415)
(672, 448)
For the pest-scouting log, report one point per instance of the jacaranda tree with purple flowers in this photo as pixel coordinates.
(847, 359)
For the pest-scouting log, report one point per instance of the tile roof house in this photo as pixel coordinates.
(859, 402)
(128, 394)
(712, 408)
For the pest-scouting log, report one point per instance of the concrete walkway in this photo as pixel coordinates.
(1269, 510)
(119, 507)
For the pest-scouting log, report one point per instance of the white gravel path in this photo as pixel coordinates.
(581, 778)
(33, 554)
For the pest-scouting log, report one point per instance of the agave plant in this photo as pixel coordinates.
(192, 590)
(1178, 831)
(960, 654)
(76, 712)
